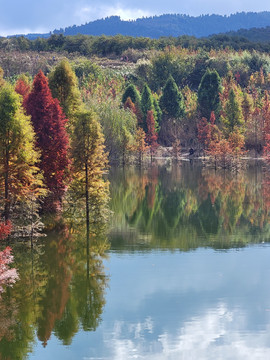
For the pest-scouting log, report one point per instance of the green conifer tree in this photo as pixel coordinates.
(64, 86)
(172, 101)
(133, 93)
(233, 113)
(208, 93)
(158, 113)
(147, 104)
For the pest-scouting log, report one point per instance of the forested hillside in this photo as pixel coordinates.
(255, 34)
(167, 25)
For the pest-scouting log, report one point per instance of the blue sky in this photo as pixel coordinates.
(25, 16)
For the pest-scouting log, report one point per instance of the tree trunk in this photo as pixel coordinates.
(87, 200)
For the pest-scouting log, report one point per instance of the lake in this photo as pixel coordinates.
(181, 272)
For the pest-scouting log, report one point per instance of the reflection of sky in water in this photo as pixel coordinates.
(210, 336)
(197, 305)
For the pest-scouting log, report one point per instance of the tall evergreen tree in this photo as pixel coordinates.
(158, 113)
(208, 93)
(147, 104)
(172, 101)
(52, 139)
(233, 117)
(89, 163)
(64, 86)
(18, 157)
(133, 93)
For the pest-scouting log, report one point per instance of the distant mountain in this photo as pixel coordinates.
(171, 25)
(253, 34)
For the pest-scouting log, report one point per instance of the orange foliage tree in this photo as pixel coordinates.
(151, 136)
(207, 131)
(140, 144)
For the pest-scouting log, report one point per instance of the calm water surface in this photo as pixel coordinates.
(184, 273)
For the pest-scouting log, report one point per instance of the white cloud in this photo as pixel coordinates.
(219, 333)
(90, 13)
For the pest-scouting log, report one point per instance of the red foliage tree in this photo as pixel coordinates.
(22, 88)
(204, 132)
(52, 138)
(220, 150)
(5, 229)
(129, 104)
(207, 131)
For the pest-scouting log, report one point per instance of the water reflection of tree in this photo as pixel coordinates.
(74, 294)
(89, 286)
(192, 207)
(61, 288)
(18, 304)
(57, 258)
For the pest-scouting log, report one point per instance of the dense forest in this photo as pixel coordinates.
(254, 34)
(167, 25)
(115, 45)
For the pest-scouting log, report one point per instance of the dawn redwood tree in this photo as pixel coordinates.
(151, 136)
(140, 144)
(18, 157)
(237, 143)
(52, 139)
(130, 105)
(204, 136)
(89, 164)
(220, 150)
(232, 117)
(246, 106)
(126, 144)
(22, 87)
(207, 131)
(64, 86)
